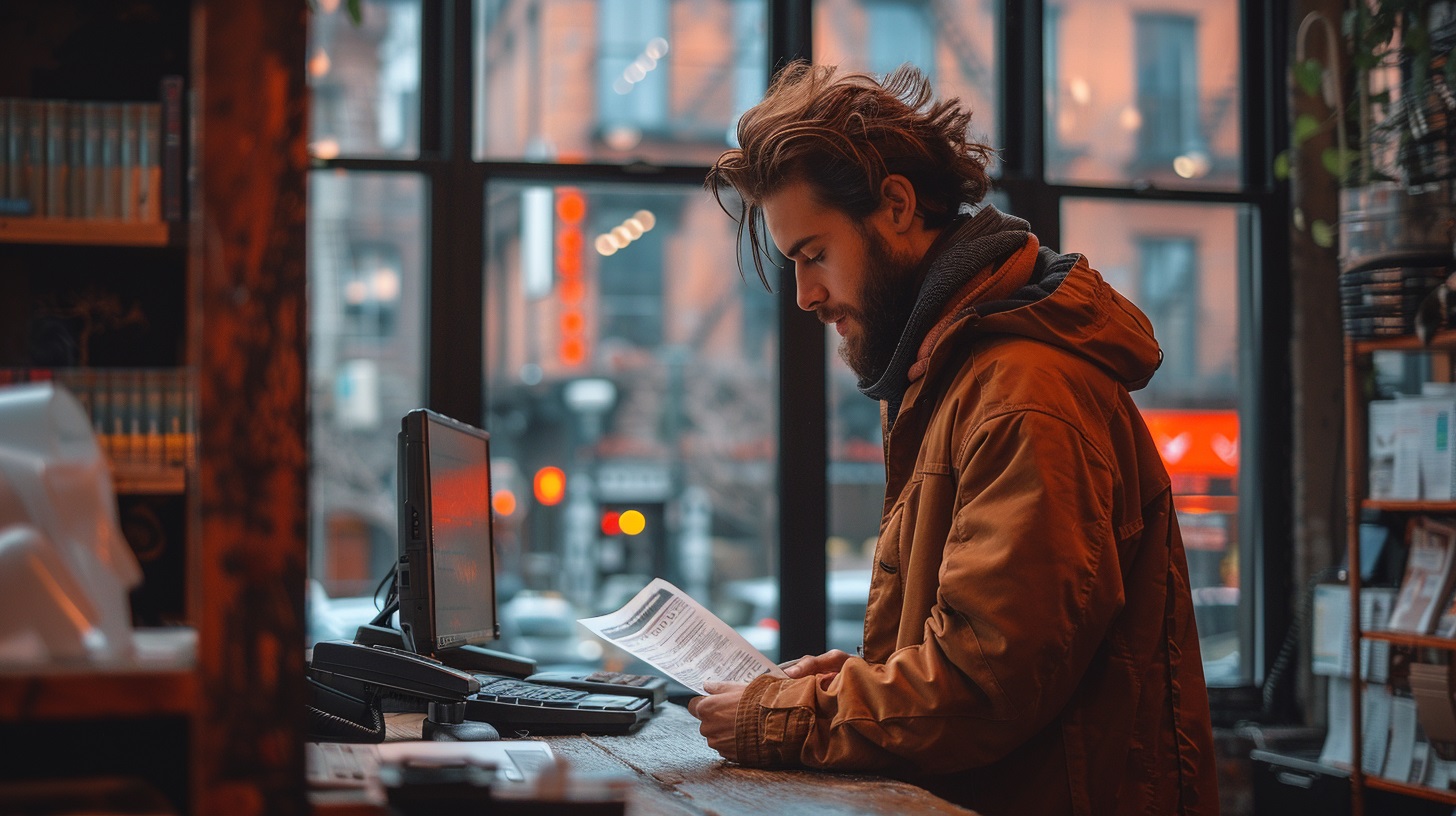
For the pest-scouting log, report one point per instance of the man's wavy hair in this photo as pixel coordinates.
(843, 134)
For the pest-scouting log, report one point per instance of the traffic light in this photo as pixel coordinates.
(623, 522)
(549, 485)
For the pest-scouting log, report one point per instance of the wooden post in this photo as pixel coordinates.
(248, 342)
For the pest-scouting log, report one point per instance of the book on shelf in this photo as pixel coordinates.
(1330, 652)
(110, 161)
(1380, 450)
(76, 159)
(81, 159)
(35, 187)
(14, 147)
(91, 157)
(57, 202)
(1428, 576)
(5, 116)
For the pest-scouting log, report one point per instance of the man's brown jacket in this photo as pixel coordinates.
(1029, 643)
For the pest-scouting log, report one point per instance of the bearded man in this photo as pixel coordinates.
(1029, 643)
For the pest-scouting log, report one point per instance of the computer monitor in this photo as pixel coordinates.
(446, 573)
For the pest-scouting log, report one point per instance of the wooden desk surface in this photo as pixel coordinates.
(679, 775)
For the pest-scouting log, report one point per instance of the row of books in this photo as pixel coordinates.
(144, 418)
(95, 160)
(1408, 731)
(1404, 736)
(1423, 604)
(1412, 455)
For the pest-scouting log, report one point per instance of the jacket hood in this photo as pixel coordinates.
(1067, 304)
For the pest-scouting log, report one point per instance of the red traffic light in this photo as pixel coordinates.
(611, 523)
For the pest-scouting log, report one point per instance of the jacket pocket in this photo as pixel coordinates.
(887, 581)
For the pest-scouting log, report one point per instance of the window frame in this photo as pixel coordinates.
(455, 289)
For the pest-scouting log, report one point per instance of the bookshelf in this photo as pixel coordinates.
(1359, 366)
(216, 728)
(88, 232)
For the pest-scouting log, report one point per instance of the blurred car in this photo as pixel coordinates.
(751, 606)
(542, 626)
(335, 618)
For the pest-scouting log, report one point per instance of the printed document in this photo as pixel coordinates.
(677, 635)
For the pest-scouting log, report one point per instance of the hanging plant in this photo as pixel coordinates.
(1405, 137)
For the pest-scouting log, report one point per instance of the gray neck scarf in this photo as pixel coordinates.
(987, 237)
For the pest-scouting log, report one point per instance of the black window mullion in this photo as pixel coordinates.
(803, 464)
(1266, 336)
(433, 35)
(455, 358)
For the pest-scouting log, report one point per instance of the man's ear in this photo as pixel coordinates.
(898, 197)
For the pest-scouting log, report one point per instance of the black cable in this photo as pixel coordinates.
(1290, 647)
(391, 599)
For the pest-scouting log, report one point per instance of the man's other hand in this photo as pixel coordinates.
(827, 663)
(716, 712)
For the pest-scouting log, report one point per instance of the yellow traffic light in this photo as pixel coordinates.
(632, 522)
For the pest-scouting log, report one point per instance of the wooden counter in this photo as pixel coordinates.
(677, 774)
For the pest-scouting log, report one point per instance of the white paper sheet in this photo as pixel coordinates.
(678, 636)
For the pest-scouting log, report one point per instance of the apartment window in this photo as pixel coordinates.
(1167, 94)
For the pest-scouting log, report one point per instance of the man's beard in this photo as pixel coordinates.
(887, 298)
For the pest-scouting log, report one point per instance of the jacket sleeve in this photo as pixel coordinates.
(1028, 585)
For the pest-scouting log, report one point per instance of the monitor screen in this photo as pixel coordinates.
(447, 578)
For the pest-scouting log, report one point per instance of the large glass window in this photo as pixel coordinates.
(582, 300)
(624, 351)
(1136, 96)
(364, 79)
(615, 80)
(366, 343)
(1181, 264)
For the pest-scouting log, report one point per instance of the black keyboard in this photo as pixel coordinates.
(513, 706)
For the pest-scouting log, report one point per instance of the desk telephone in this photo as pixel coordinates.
(350, 680)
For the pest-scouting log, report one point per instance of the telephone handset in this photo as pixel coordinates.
(378, 671)
(395, 671)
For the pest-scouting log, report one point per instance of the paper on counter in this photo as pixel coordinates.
(678, 636)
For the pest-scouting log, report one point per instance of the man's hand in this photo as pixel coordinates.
(717, 712)
(827, 663)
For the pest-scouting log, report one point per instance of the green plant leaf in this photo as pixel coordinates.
(1305, 126)
(1308, 76)
(1281, 166)
(1338, 162)
(356, 10)
(1322, 233)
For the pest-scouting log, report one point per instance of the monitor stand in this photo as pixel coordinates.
(467, 658)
